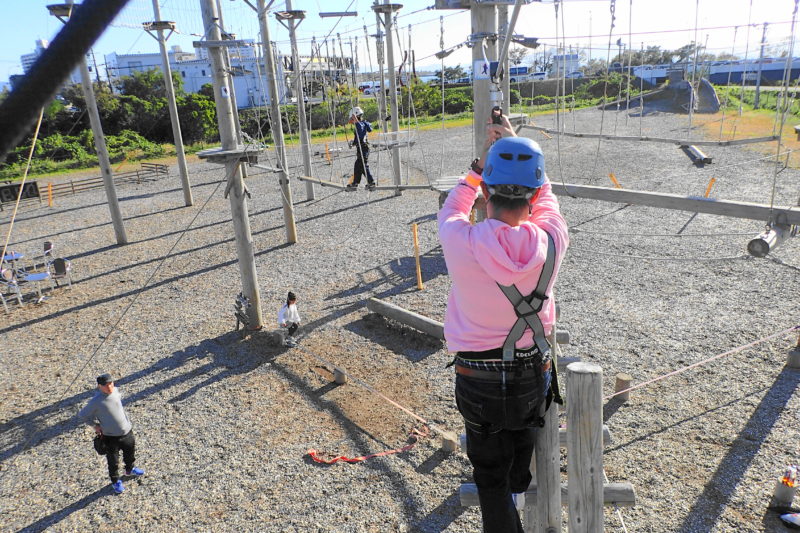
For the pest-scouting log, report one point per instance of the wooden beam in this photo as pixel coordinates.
(321, 182)
(783, 215)
(562, 437)
(620, 494)
(409, 318)
(681, 142)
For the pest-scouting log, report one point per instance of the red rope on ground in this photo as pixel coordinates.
(414, 434)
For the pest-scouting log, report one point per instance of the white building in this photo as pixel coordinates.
(565, 64)
(249, 80)
(28, 60)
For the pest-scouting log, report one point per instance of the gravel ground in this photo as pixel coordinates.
(224, 423)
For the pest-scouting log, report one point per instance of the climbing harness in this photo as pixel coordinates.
(528, 307)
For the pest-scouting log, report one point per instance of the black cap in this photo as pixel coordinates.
(104, 379)
(291, 296)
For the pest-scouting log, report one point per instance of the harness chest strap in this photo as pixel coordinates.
(528, 307)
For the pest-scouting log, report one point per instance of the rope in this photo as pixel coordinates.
(738, 349)
(728, 85)
(576, 230)
(612, 7)
(694, 68)
(414, 434)
(665, 257)
(746, 53)
(557, 116)
(22, 185)
(371, 389)
(786, 75)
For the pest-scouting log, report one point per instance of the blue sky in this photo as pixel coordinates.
(651, 22)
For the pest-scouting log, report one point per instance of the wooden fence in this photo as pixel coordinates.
(147, 172)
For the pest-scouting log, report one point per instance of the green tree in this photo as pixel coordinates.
(517, 55)
(148, 84)
(207, 90)
(198, 116)
(450, 74)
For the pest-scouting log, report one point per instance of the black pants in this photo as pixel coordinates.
(293, 327)
(361, 165)
(500, 422)
(126, 443)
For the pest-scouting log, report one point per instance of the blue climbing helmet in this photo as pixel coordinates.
(514, 161)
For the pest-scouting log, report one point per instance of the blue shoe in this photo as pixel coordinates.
(791, 520)
(118, 486)
(135, 471)
(519, 500)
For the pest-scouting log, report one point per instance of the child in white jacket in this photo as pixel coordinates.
(288, 317)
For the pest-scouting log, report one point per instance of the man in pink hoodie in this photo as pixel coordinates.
(499, 312)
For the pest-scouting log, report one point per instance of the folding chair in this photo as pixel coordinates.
(8, 283)
(61, 268)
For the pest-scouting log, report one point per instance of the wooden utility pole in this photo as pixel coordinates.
(305, 138)
(381, 95)
(757, 100)
(484, 28)
(275, 124)
(63, 12)
(232, 154)
(387, 9)
(159, 26)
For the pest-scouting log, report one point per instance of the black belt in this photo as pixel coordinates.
(498, 375)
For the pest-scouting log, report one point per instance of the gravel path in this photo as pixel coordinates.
(224, 423)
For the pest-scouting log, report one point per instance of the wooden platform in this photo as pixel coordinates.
(240, 153)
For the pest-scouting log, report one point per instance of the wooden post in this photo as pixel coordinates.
(585, 447)
(484, 23)
(177, 136)
(420, 286)
(623, 383)
(275, 125)
(49, 195)
(305, 138)
(449, 442)
(233, 168)
(327, 154)
(544, 513)
(794, 356)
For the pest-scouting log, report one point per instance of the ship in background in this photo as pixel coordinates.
(769, 70)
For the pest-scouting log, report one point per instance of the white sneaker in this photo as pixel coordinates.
(519, 500)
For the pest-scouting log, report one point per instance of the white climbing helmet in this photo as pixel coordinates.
(356, 111)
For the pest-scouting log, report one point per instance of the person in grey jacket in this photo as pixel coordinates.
(105, 414)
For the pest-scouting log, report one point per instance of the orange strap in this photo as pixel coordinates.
(414, 434)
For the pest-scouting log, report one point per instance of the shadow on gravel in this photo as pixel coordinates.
(54, 518)
(359, 439)
(93, 226)
(56, 211)
(51, 421)
(442, 516)
(404, 341)
(132, 292)
(721, 487)
(400, 275)
(664, 429)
